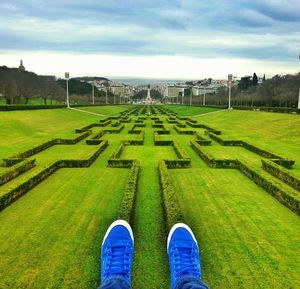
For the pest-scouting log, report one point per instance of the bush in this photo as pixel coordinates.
(171, 206)
(182, 131)
(159, 142)
(109, 130)
(281, 173)
(29, 107)
(178, 164)
(43, 173)
(180, 152)
(285, 196)
(128, 201)
(16, 170)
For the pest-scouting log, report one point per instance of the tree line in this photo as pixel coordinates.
(19, 85)
(278, 91)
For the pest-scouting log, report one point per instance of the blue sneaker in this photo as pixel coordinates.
(117, 251)
(183, 253)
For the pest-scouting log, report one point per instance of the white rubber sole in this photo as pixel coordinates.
(118, 223)
(176, 226)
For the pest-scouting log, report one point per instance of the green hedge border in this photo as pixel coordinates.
(171, 206)
(23, 188)
(285, 196)
(16, 170)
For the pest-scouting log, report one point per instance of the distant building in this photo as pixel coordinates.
(21, 67)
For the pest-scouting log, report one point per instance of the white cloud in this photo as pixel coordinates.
(176, 67)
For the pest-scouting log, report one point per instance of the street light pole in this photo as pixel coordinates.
(204, 96)
(93, 89)
(106, 95)
(299, 91)
(229, 90)
(191, 95)
(67, 76)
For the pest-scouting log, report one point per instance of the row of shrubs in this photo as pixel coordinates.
(277, 159)
(8, 162)
(202, 141)
(16, 170)
(281, 173)
(161, 142)
(179, 150)
(17, 192)
(179, 130)
(111, 130)
(171, 206)
(128, 202)
(194, 124)
(284, 195)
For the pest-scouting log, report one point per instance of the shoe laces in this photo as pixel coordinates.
(118, 261)
(185, 261)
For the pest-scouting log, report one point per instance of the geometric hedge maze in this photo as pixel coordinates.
(269, 171)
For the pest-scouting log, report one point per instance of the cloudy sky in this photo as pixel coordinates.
(151, 38)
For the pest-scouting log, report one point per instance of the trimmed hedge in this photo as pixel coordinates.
(9, 162)
(269, 109)
(29, 107)
(211, 161)
(225, 142)
(16, 170)
(171, 207)
(178, 164)
(281, 173)
(286, 196)
(46, 145)
(180, 152)
(93, 141)
(14, 194)
(183, 131)
(109, 130)
(128, 202)
(202, 141)
(159, 142)
(277, 159)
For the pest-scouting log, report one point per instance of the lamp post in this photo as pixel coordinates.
(106, 91)
(93, 89)
(67, 76)
(229, 90)
(191, 95)
(299, 91)
(204, 96)
(182, 96)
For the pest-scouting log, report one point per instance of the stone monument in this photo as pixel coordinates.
(148, 98)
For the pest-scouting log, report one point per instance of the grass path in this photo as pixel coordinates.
(150, 268)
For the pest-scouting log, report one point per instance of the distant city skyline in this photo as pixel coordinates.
(151, 39)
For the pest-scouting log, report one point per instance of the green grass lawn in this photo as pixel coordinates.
(279, 133)
(51, 237)
(108, 110)
(185, 110)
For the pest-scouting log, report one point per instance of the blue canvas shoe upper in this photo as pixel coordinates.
(183, 253)
(117, 252)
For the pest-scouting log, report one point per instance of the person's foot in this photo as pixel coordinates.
(183, 253)
(117, 251)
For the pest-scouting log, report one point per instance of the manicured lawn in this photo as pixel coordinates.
(185, 110)
(51, 237)
(108, 110)
(279, 133)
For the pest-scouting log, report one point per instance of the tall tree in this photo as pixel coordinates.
(254, 79)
